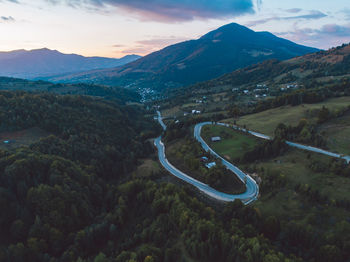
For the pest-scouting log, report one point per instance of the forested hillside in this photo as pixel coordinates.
(74, 195)
(320, 66)
(66, 197)
(116, 93)
(303, 194)
(259, 84)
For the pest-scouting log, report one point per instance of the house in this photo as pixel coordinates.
(216, 139)
(6, 142)
(292, 86)
(196, 112)
(246, 92)
(210, 165)
(204, 158)
(185, 113)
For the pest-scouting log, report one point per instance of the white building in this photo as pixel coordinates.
(216, 139)
(210, 165)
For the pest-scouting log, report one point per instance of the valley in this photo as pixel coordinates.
(303, 190)
(202, 142)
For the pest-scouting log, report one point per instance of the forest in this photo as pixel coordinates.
(71, 196)
(122, 95)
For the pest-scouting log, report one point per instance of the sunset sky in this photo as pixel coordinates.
(114, 28)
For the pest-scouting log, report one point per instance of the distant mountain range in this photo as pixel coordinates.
(41, 63)
(221, 51)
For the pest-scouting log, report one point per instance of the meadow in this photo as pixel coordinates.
(267, 121)
(233, 144)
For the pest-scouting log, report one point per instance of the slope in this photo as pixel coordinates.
(44, 62)
(116, 93)
(221, 51)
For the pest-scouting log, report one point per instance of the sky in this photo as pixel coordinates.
(115, 28)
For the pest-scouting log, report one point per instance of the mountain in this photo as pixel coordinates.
(221, 51)
(320, 67)
(44, 62)
(253, 85)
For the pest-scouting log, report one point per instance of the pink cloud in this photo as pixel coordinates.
(171, 10)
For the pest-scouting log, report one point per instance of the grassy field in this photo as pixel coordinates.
(337, 133)
(287, 203)
(294, 165)
(266, 121)
(233, 144)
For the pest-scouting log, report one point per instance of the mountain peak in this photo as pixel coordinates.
(44, 50)
(228, 31)
(233, 27)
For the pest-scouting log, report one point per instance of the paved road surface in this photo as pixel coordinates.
(247, 197)
(252, 190)
(160, 120)
(300, 146)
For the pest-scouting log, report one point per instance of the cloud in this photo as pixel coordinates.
(161, 42)
(313, 14)
(335, 30)
(347, 13)
(172, 10)
(136, 50)
(294, 10)
(7, 19)
(147, 46)
(328, 35)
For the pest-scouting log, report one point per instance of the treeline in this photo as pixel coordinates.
(305, 237)
(103, 134)
(251, 74)
(304, 132)
(187, 156)
(334, 166)
(311, 95)
(57, 210)
(267, 149)
(122, 95)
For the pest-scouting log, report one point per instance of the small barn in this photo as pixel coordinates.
(216, 139)
(210, 165)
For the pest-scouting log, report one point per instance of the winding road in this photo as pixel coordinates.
(252, 189)
(247, 197)
(292, 144)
